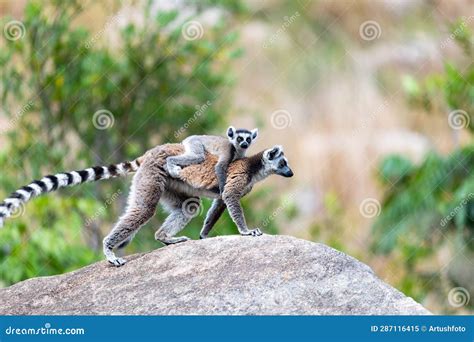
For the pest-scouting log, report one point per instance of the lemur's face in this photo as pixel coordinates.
(241, 138)
(274, 161)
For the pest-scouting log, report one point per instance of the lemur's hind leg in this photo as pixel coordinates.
(194, 154)
(126, 242)
(181, 210)
(146, 190)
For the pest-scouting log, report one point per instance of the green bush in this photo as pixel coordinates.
(431, 205)
(437, 196)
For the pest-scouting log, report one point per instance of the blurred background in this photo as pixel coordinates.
(372, 101)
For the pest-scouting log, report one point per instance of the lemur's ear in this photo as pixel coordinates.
(273, 153)
(231, 132)
(254, 133)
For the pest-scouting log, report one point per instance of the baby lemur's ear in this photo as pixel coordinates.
(273, 153)
(231, 132)
(254, 133)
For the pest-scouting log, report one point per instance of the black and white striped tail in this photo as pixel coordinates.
(60, 180)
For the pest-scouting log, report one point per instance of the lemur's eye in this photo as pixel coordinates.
(248, 140)
(282, 163)
(239, 139)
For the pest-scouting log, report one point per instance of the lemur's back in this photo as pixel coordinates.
(201, 176)
(213, 144)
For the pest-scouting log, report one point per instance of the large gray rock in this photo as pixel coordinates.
(223, 275)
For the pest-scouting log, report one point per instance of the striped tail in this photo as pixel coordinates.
(53, 182)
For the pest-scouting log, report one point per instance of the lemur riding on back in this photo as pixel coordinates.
(227, 150)
(153, 183)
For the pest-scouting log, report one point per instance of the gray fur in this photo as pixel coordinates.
(146, 190)
(237, 214)
(214, 213)
(176, 221)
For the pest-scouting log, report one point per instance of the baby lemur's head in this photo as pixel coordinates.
(241, 138)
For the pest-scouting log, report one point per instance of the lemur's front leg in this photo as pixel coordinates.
(221, 173)
(232, 201)
(214, 213)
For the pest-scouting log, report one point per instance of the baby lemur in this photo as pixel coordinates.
(153, 183)
(227, 149)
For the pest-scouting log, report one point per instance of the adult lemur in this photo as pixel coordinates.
(152, 182)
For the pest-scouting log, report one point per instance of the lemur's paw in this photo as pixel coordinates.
(173, 170)
(180, 239)
(172, 240)
(253, 232)
(118, 262)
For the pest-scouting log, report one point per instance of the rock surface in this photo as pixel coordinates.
(222, 275)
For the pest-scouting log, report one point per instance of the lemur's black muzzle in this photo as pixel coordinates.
(288, 173)
(244, 145)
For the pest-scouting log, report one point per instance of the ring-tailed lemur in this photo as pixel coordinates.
(227, 149)
(152, 182)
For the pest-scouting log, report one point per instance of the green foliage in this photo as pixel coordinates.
(431, 205)
(150, 81)
(46, 243)
(429, 201)
(453, 89)
(157, 87)
(394, 169)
